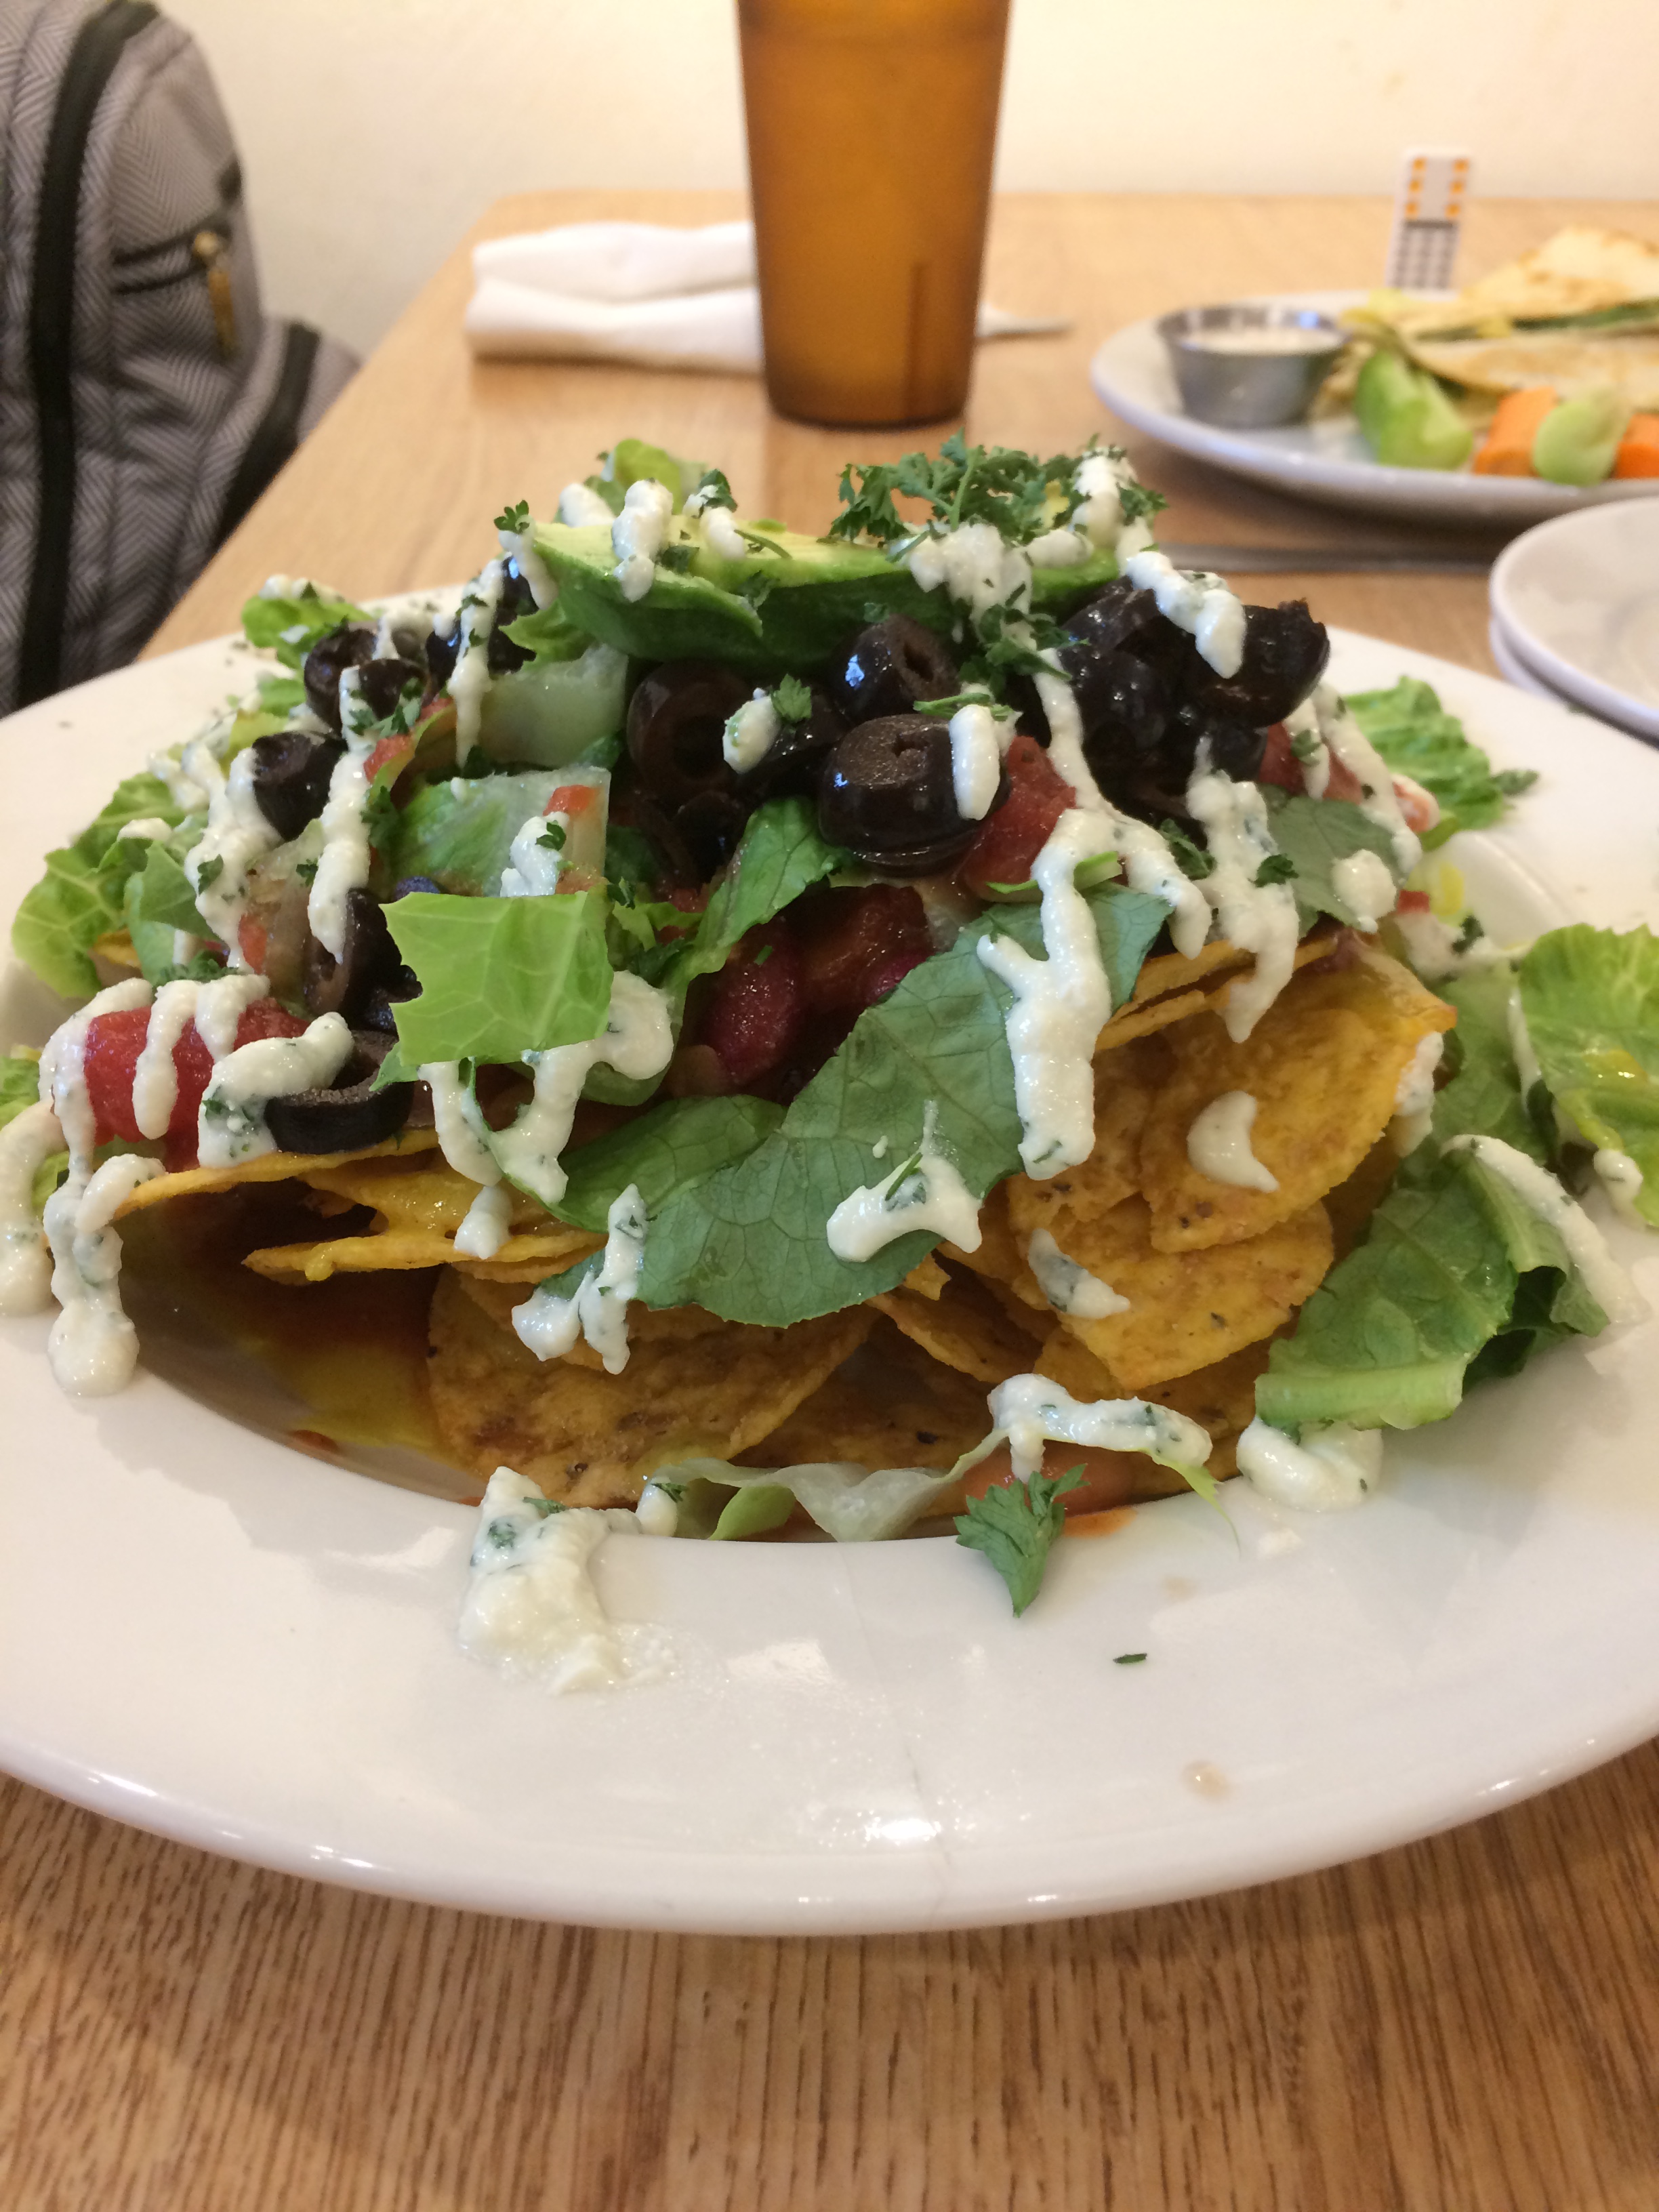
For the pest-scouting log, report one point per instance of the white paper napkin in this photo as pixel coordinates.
(645, 293)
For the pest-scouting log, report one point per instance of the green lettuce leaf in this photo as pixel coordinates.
(500, 977)
(1591, 1000)
(780, 856)
(1014, 1524)
(1315, 835)
(19, 1083)
(667, 1152)
(749, 1243)
(459, 831)
(75, 903)
(1418, 738)
(268, 624)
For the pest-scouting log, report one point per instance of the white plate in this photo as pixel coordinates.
(1578, 600)
(1513, 668)
(210, 1635)
(1327, 459)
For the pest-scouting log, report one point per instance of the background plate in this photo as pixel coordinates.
(1327, 460)
(210, 1635)
(1579, 601)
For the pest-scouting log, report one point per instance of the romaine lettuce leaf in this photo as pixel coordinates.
(290, 627)
(19, 1083)
(500, 977)
(75, 902)
(1591, 1000)
(749, 1241)
(1418, 738)
(460, 831)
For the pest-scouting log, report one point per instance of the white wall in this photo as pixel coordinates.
(375, 131)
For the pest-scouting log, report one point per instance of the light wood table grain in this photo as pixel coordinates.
(1469, 2023)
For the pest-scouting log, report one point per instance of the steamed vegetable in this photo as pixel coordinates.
(1407, 419)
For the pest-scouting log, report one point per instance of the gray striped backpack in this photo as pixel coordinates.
(145, 400)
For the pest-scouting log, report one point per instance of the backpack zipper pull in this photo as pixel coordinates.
(212, 249)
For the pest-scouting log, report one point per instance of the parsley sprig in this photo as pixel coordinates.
(1014, 1524)
(515, 518)
(1019, 495)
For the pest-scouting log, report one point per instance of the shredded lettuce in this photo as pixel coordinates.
(781, 855)
(1591, 1000)
(500, 977)
(1418, 738)
(749, 1241)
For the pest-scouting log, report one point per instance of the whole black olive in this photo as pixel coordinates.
(381, 683)
(889, 668)
(1115, 613)
(371, 958)
(792, 762)
(887, 793)
(348, 647)
(291, 773)
(676, 722)
(1172, 652)
(501, 655)
(1285, 654)
(348, 1114)
(1121, 704)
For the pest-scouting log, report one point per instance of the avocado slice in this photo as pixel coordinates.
(790, 609)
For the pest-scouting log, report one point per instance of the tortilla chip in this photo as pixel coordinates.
(1323, 1065)
(1144, 1021)
(927, 1278)
(1189, 1309)
(1126, 1081)
(996, 1255)
(269, 1167)
(1221, 1398)
(1179, 971)
(890, 1404)
(529, 1258)
(590, 1438)
(963, 1329)
(426, 1193)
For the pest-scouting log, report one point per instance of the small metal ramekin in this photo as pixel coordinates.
(1247, 391)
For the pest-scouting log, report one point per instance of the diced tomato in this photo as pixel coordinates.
(1412, 902)
(388, 749)
(1279, 765)
(113, 1044)
(1419, 809)
(757, 1008)
(856, 946)
(253, 936)
(1008, 843)
(571, 799)
(1342, 782)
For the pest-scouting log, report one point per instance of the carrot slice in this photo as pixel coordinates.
(1508, 449)
(1638, 449)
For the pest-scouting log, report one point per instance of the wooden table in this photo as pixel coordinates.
(1468, 2023)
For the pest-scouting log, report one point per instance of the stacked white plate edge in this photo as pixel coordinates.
(1575, 613)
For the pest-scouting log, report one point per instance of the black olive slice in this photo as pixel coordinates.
(329, 986)
(351, 1113)
(889, 667)
(887, 793)
(1115, 613)
(676, 724)
(381, 683)
(501, 654)
(792, 762)
(291, 773)
(1285, 654)
(348, 647)
(1233, 746)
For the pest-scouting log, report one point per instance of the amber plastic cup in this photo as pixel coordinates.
(872, 126)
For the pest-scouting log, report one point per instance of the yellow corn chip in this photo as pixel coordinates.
(1322, 1064)
(890, 1404)
(927, 1278)
(996, 1256)
(1179, 971)
(590, 1438)
(1189, 1309)
(269, 1167)
(1128, 1078)
(962, 1327)
(543, 1253)
(424, 1193)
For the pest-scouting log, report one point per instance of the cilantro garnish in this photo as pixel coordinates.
(1307, 745)
(515, 518)
(1277, 868)
(1014, 1524)
(792, 699)
(676, 558)
(975, 698)
(714, 491)
(209, 872)
(1018, 494)
(306, 872)
(1467, 933)
(552, 837)
(380, 817)
(1192, 860)
(1129, 1659)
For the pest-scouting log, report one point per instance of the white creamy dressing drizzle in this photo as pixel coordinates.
(1543, 1196)
(1100, 480)
(637, 1040)
(977, 744)
(639, 533)
(93, 1347)
(1526, 1069)
(1307, 738)
(487, 1223)
(1413, 1096)
(1069, 1287)
(1621, 1179)
(1330, 1469)
(1378, 801)
(1219, 1144)
(469, 678)
(1365, 884)
(463, 1133)
(975, 566)
(232, 1126)
(720, 533)
(533, 860)
(520, 546)
(752, 731)
(187, 794)
(343, 865)
(1259, 918)
(235, 836)
(580, 507)
(530, 1604)
(26, 1143)
(923, 1192)
(549, 1324)
(216, 1009)
(150, 827)
(1431, 946)
(1030, 1411)
(1196, 602)
(1061, 1004)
